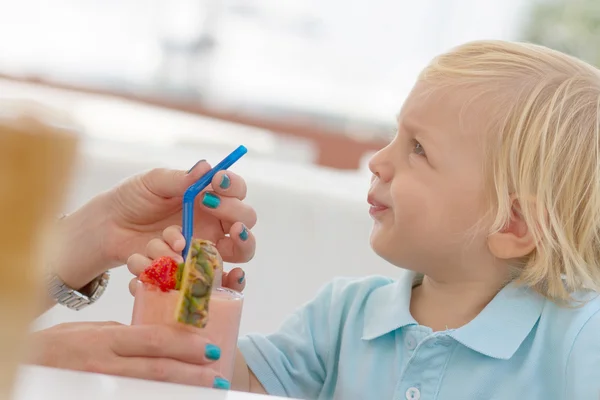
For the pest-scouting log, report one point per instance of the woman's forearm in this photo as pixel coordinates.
(79, 256)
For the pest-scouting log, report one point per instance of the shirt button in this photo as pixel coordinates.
(411, 342)
(413, 394)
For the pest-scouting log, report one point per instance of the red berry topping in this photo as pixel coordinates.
(161, 273)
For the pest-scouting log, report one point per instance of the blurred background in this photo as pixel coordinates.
(310, 87)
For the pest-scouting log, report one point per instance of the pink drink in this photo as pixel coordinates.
(153, 306)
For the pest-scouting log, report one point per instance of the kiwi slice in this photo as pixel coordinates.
(195, 279)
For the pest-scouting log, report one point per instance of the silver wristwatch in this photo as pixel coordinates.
(77, 299)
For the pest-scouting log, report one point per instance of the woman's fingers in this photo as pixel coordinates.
(235, 279)
(162, 341)
(173, 183)
(239, 246)
(228, 184)
(168, 370)
(228, 209)
(165, 353)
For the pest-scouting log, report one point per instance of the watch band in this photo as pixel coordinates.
(77, 299)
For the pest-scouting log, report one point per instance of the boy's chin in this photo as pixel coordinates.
(386, 247)
(383, 247)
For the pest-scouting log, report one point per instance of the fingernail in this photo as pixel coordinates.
(221, 383)
(244, 233)
(195, 165)
(210, 200)
(225, 182)
(212, 352)
(242, 278)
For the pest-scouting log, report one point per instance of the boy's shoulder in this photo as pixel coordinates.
(355, 291)
(363, 302)
(571, 339)
(571, 323)
(345, 286)
(585, 306)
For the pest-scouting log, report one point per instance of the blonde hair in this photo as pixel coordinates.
(544, 152)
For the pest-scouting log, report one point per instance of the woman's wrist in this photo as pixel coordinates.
(81, 256)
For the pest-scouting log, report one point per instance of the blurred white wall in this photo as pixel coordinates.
(343, 57)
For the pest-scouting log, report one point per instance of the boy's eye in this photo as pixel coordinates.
(418, 148)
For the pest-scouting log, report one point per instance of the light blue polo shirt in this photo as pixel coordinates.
(358, 340)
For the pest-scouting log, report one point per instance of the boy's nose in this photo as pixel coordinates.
(381, 167)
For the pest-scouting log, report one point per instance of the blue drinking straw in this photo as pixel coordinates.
(191, 192)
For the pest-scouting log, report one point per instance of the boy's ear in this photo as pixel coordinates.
(515, 240)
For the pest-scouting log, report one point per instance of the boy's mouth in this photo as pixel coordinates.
(377, 207)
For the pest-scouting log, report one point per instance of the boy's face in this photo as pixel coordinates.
(428, 184)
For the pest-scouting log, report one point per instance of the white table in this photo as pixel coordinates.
(40, 383)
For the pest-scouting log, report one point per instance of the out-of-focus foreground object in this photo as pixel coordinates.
(37, 155)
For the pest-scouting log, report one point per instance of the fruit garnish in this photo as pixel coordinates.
(202, 264)
(161, 273)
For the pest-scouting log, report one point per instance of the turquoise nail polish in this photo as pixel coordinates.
(194, 166)
(210, 200)
(244, 234)
(212, 352)
(242, 278)
(221, 383)
(225, 182)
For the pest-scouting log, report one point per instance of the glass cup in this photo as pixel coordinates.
(153, 306)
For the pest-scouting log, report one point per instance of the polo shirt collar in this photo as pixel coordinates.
(498, 331)
(388, 308)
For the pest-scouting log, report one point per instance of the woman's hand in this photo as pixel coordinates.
(154, 352)
(114, 225)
